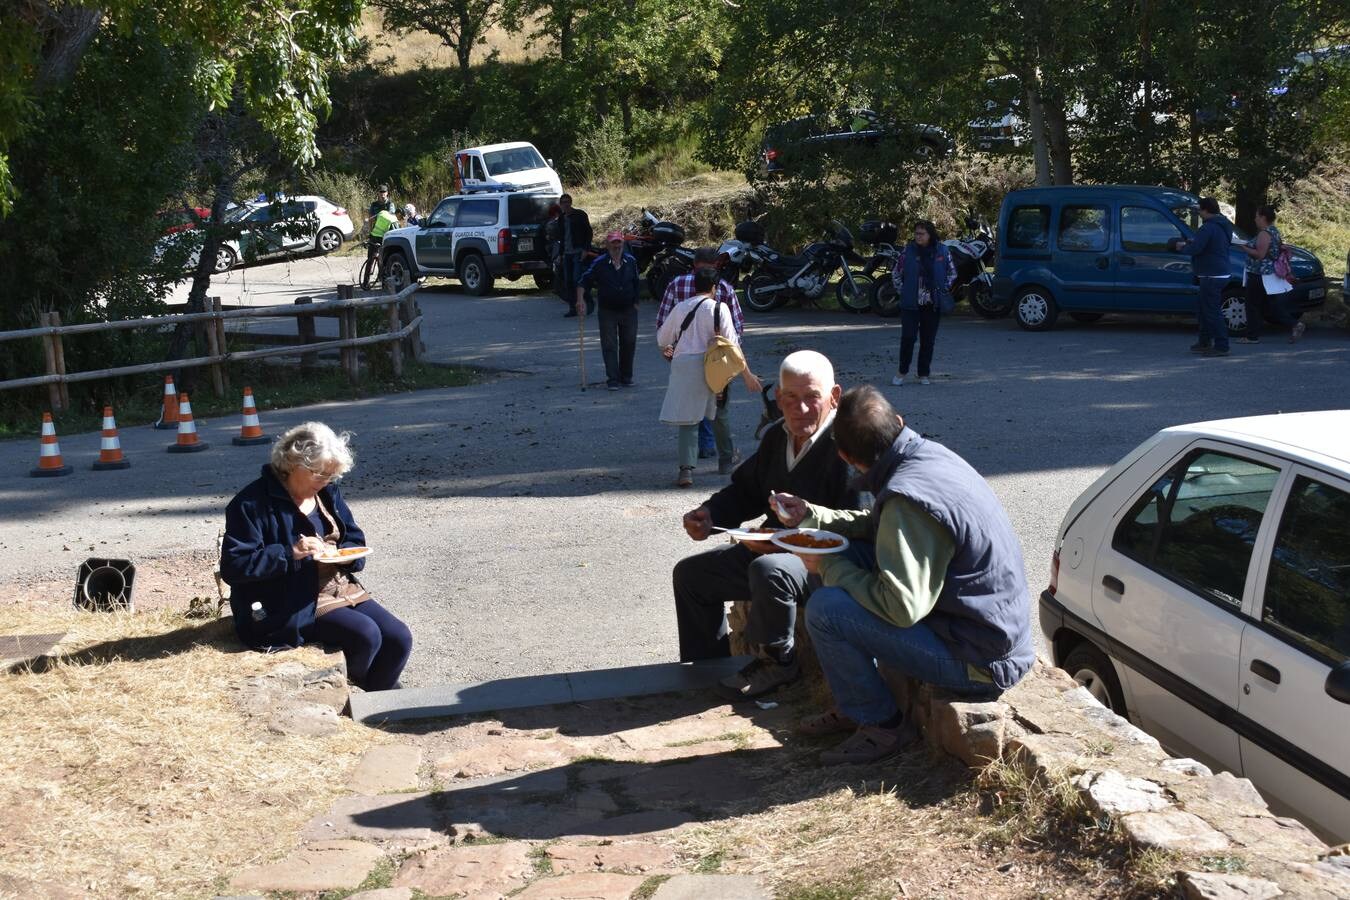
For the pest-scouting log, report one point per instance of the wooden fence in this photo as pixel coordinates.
(402, 333)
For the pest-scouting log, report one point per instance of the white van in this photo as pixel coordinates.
(518, 165)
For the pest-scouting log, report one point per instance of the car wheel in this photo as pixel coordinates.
(1035, 309)
(543, 280)
(396, 267)
(885, 300)
(1234, 308)
(982, 303)
(758, 299)
(473, 274)
(226, 259)
(328, 240)
(1090, 668)
(1086, 318)
(858, 300)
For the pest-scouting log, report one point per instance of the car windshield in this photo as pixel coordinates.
(529, 209)
(239, 213)
(516, 159)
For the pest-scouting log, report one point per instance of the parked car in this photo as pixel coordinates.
(517, 165)
(173, 221)
(1201, 588)
(846, 128)
(283, 227)
(1089, 250)
(1002, 127)
(475, 237)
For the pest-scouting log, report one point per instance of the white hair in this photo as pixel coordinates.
(315, 446)
(808, 364)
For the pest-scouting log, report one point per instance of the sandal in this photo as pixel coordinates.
(829, 722)
(870, 744)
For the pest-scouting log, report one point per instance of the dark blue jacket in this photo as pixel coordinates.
(262, 523)
(906, 278)
(984, 610)
(614, 288)
(1210, 248)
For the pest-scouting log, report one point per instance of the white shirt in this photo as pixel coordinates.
(700, 332)
(794, 458)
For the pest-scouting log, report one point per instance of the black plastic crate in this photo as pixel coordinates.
(668, 233)
(749, 232)
(876, 231)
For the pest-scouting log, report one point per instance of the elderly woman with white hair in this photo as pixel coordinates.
(280, 557)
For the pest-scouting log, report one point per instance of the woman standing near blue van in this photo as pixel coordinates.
(923, 279)
(1262, 251)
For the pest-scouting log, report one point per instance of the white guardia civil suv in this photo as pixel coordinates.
(1201, 587)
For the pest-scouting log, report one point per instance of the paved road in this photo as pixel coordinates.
(523, 526)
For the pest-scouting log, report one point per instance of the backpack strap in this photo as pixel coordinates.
(688, 320)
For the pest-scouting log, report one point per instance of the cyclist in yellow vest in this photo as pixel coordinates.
(384, 220)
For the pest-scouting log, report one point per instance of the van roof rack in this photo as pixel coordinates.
(488, 187)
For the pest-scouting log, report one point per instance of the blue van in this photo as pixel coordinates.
(1089, 250)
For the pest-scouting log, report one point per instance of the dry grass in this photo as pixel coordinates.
(419, 48)
(127, 770)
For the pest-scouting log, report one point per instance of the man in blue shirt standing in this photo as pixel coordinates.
(615, 279)
(1209, 248)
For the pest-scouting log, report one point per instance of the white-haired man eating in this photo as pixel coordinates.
(797, 456)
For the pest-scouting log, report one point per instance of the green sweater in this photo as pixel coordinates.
(913, 552)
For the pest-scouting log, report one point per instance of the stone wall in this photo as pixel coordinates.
(1055, 730)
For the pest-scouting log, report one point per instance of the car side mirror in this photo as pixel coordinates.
(1338, 682)
(550, 162)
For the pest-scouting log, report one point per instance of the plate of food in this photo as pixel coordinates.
(810, 541)
(749, 534)
(342, 555)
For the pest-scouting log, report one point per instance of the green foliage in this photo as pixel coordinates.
(600, 158)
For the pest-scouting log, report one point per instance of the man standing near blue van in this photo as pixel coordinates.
(1209, 248)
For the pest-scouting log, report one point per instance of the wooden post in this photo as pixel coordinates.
(351, 359)
(304, 326)
(224, 348)
(60, 346)
(346, 291)
(49, 353)
(395, 347)
(213, 349)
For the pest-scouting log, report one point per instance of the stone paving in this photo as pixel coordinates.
(575, 802)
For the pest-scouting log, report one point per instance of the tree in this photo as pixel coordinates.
(462, 25)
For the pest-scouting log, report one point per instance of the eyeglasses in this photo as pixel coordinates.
(323, 476)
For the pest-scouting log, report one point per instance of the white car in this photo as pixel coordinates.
(1201, 587)
(517, 165)
(286, 226)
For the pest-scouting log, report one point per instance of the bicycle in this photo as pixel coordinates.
(372, 270)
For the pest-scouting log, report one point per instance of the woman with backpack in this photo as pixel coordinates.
(923, 279)
(1263, 257)
(686, 335)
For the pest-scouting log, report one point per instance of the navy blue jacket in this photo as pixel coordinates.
(1210, 248)
(614, 288)
(905, 276)
(262, 523)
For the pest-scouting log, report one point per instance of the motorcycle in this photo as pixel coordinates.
(740, 257)
(780, 277)
(973, 257)
(671, 258)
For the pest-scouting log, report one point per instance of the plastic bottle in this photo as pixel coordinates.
(256, 611)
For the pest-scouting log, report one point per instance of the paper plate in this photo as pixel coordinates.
(747, 534)
(778, 541)
(351, 554)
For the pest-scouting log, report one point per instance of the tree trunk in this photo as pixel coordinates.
(201, 278)
(74, 27)
(1040, 145)
(1061, 153)
(565, 37)
(626, 107)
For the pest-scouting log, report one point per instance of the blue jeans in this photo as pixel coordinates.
(850, 641)
(1213, 328)
(920, 323)
(374, 641)
(705, 437)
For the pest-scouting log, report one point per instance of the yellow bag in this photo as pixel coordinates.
(723, 360)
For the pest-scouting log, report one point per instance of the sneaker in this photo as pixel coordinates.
(1247, 340)
(1199, 347)
(924, 381)
(831, 722)
(1297, 332)
(898, 381)
(725, 466)
(1215, 351)
(629, 383)
(686, 477)
(707, 452)
(870, 744)
(612, 385)
(759, 678)
(570, 314)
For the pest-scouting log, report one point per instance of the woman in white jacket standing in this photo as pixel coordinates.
(685, 336)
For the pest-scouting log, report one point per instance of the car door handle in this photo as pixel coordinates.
(1103, 262)
(1114, 584)
(1266, 671)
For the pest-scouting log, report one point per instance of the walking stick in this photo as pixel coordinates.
(581, 347)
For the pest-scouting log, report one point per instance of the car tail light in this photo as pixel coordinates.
(771, 154)
(339, 212)
(1054, 573)
(504, 241)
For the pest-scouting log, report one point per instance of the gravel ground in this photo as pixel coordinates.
(523, 526)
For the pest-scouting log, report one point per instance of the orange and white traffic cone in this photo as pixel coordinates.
(168, 417)
(187, 429)
(110, 450)
(49, 458)
(251, 431)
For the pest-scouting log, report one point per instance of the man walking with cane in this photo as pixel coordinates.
(615, 278)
